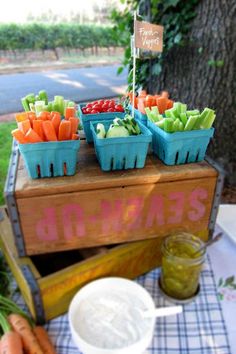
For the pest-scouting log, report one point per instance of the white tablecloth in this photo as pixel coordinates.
(223, 259)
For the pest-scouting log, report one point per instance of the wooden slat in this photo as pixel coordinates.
(8, 248)
(89, 176)
(92, 218)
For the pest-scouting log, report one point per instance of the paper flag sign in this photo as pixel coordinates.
(148, 36)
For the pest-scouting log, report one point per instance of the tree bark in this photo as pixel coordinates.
(203, 74)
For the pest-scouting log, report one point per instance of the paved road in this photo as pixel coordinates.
(80, 85)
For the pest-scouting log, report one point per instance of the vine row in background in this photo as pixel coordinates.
(48, 36)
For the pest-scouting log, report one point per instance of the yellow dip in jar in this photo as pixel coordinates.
(183, 255)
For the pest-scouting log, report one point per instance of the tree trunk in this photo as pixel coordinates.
(203, 74)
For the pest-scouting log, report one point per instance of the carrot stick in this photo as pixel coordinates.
(56, 121)
(64, 130)
(31, 117)
(11, 341)
(75, 137)
(49, 131)
(32, 137)
(38, 128)
(69, 112)
(44, 340)
(161, 104)
(19, 136)
(45, 115)
(170, 104)
(21, 116)
(22, 327)
(141, 105)
(74, 125)
(24, 125)
(165, 94)
(54, 113)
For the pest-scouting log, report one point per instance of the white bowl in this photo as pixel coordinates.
(127, 289)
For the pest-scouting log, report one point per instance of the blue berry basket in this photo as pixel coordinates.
(50, 159)
(87, 118)
(180, 147)
(121, 153)
(138, 115)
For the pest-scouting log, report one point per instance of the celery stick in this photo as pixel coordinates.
(176, 125)
(71, 104)
(174, 113)
(160, 124)
(25, 104)
(155, 110)
(177, 107)
(59, 101)
(168, 113)
(43, 96)
(208, 120)
(32, 107)
(183, 118)
(168, 125)
(148, 113)
(190, 123)
(181, 126)
(30, 98)
(198, 122)
(50, 107)
(39, 107)
(183, 108)
(194, 112)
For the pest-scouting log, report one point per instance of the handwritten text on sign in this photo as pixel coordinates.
(148, 36)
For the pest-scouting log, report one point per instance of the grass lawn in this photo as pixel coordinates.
(5, 152)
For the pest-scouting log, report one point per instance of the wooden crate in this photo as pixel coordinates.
(48, 282)
(96, 208)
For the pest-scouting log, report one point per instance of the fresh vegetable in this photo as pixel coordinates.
(101, 132)
(22, 327)
(119, 128)
(102, 106)
(10, 341)
(144, 100)
(178, 118)
(47, 126)
(39, 103)
(44, 340)
(34, 340)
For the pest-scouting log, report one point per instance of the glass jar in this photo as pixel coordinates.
(183, 255)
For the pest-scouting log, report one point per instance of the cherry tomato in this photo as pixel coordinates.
(101, 102)
(97, 107)
(94, 111)
(119, 108)
(111, 109)
(89, 105)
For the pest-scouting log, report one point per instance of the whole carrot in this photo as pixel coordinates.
(11, 341)
(23, 328)
(44, 340)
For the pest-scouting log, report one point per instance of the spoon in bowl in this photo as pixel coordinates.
(162, 311)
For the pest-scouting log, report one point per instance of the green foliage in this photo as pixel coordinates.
(176, 17)
(51, 36)
(5, 148)
(216, 63)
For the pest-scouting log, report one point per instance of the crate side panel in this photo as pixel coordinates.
(117, 215)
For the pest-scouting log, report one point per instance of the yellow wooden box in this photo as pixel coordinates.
(96, 208)
(48, 282)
